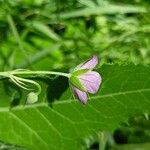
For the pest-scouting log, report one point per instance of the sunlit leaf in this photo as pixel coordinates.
(64, 124)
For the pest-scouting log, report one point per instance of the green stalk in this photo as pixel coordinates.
(8, 73)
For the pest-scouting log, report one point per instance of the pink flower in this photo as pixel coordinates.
(84, 80)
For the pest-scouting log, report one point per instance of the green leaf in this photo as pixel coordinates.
(139, 146)
(38, 56)
(99, 10)
(125, 92)
(40, 27)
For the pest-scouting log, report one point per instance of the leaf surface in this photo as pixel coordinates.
(65, 124)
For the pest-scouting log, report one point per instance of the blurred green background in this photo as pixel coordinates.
(63, 33)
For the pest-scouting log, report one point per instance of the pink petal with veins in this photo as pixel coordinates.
(89, 64)
(80, 95)
(91, 81)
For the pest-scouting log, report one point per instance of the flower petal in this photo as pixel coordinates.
(89, 64)
(91, 81)
(80, 95)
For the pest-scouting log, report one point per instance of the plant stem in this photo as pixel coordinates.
(7, 73)
(4, 74)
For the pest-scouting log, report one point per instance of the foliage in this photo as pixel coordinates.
(66, 123)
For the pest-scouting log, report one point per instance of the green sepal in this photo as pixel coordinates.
(76, 82)
(80, 72)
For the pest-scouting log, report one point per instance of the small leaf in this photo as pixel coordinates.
(98, 10)
(39, 26)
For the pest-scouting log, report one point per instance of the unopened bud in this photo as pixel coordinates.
(32, 98)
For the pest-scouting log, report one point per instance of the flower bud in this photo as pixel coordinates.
(32, 98)
(84, 80)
